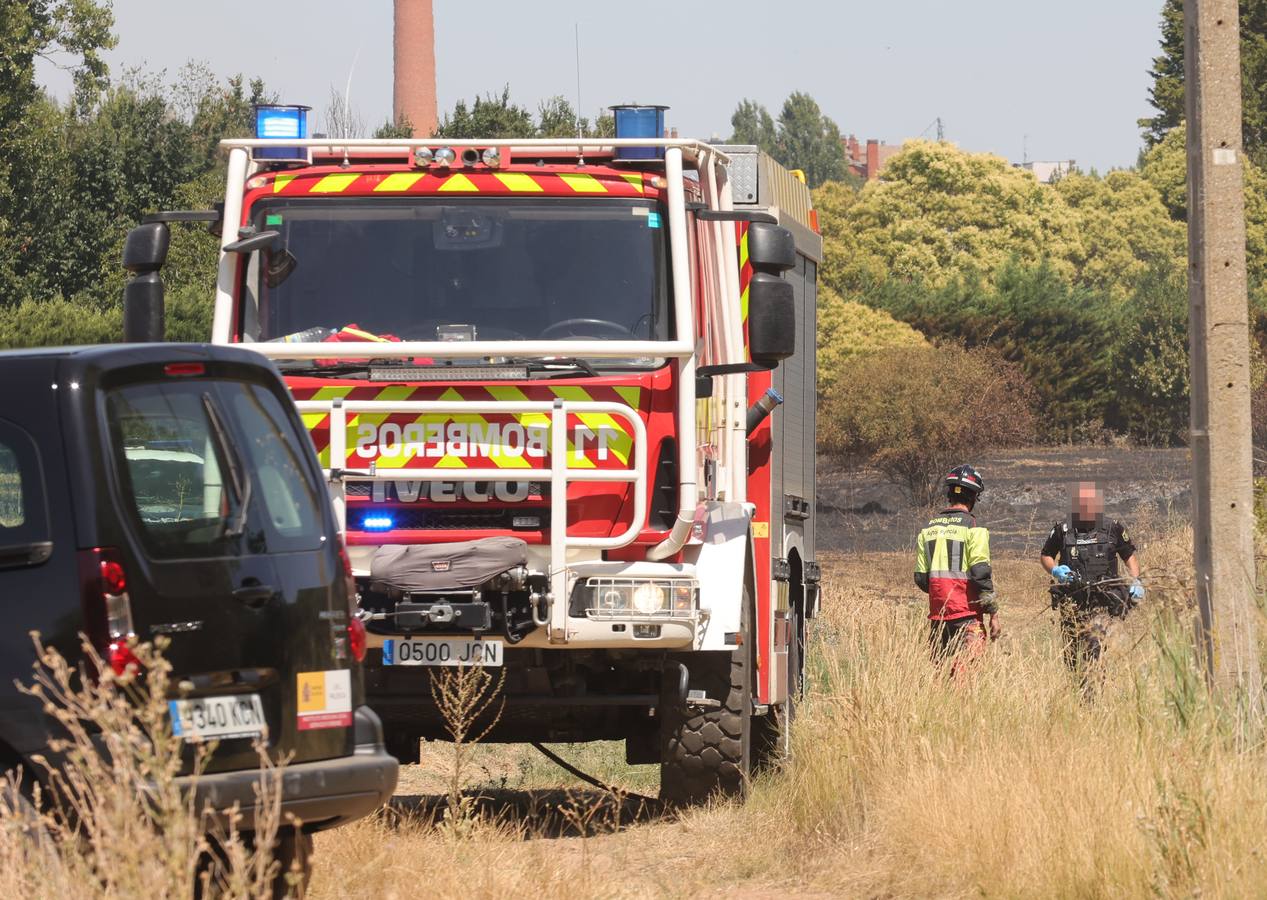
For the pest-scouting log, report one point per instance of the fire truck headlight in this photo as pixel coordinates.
(445, 157)
(492, 158)
(621, 597)
(649, 598)
(423, 156)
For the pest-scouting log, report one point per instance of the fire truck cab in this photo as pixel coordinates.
(563, 392)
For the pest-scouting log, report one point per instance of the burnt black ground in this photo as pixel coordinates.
(1026, 492)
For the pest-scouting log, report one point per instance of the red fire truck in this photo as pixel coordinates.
(564, 394)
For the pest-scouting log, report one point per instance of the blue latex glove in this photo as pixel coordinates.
(1061, 573)
(1137, 590)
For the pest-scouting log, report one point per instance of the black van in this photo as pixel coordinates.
(170, 489)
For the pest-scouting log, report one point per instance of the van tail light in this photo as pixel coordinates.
(107, 608)
(356, 628)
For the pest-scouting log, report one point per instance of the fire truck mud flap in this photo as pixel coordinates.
(721, 561)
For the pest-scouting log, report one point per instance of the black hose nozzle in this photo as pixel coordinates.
(763, 407)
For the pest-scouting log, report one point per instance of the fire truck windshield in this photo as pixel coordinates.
(427, 269)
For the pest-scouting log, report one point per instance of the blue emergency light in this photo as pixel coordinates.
(634, 121)
(378, 523)
(276, 122)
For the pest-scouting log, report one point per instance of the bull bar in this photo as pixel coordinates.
(558, 474)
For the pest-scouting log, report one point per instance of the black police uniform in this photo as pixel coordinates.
(1097, 594)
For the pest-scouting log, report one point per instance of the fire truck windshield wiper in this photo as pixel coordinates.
(555, 365)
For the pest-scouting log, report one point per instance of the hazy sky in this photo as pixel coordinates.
(1063, 80)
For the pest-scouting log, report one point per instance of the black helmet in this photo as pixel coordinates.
(964, 483)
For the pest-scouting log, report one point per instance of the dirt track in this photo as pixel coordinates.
(1026, 492)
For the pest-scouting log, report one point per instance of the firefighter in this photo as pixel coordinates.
(1082, 555)
(952, 566)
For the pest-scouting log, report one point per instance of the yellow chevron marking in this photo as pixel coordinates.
(743, 305)
(312, 420)
(631, 395)
(634, 178)
(334, 184)
(280, 182)
(619, 443)
(518, 181)
(583, 183)
(451, 462)
(458, 182)
(743, 251)
(400, 181)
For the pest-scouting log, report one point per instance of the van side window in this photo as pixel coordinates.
(23, 507)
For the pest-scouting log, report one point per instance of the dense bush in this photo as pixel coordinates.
(848, 328)
(913, 412)
(1060, 336)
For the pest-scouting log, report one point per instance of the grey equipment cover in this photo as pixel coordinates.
(446, 567)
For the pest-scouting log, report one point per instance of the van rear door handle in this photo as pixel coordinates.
(255, 596)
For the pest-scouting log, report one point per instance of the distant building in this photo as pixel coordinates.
(869, 161)
(1049, 171)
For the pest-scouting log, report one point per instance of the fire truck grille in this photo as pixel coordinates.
(431, 519)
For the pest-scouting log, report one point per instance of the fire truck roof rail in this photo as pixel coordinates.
(538, 146)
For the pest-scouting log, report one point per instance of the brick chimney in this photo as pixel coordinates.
(855, 153)
(873, 159)
(415, 82)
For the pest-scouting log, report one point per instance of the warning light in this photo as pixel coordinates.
(274, 122)
(378, 523)
(634, 121)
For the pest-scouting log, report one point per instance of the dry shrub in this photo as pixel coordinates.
(466, 697)
(115, 820)
(914, 413)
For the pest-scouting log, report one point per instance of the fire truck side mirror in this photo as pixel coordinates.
(771, 319)
(771, 248)
(144, 253)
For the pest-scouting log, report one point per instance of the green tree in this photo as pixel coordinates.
(1167, 92)
(752, 123)
(809, 141)
(557, 118)
(941, 214)
(401, 128)
(1165, 167)
(833, 200)
(71, 34)
(490, 117)
(1124, 231)
(803, 138)
(1151, 361)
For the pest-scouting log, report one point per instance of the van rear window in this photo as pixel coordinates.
(184, 451)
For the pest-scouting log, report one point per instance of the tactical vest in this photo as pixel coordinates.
(1091, 554)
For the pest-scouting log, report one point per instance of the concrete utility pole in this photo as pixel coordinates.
(1222, 456)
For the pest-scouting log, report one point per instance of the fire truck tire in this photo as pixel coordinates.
(706, 752)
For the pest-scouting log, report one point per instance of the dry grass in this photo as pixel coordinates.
(115, 821)
(908, 784)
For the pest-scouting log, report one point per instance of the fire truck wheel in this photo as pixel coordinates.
(708, 751)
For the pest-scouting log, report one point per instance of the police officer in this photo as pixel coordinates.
(1082, 555)
(952, 566)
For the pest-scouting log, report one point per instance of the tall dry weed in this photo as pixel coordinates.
(112, 815)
